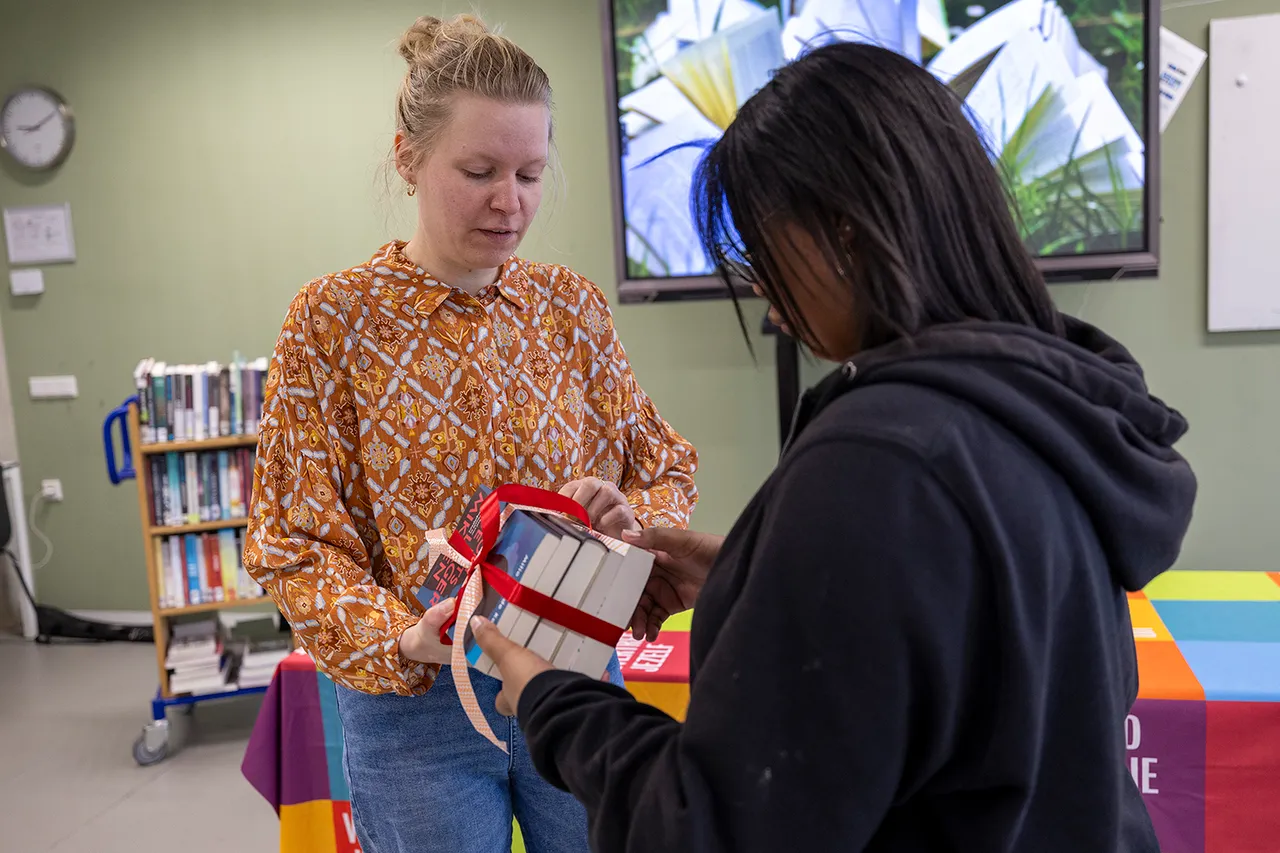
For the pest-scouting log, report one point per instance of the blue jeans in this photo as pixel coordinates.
(423, 780)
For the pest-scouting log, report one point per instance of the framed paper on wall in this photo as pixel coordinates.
(39, 235)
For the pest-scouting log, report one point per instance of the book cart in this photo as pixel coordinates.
(153, 744)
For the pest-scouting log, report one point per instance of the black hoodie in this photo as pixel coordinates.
(916, 637)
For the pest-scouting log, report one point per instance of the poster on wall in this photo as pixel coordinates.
(39, 235)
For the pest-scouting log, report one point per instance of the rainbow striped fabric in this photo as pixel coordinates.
(1204, 736)
(294, 759)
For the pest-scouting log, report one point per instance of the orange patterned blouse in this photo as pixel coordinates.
(390, 398)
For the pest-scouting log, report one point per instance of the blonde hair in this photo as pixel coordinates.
(459, 56)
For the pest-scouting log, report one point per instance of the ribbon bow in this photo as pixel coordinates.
(543, 606)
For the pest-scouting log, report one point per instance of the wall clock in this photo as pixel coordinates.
(36, 128)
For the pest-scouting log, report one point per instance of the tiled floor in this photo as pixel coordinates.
(68, 783)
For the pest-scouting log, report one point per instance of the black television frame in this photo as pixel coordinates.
(1056, 269)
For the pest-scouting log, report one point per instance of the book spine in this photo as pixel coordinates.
(161, 557)
(224, 401)
(199, 407)
(214, 414)
(202, 560)
(193, 570)
(178, 573)
(159, 489)
(237, 401)
(173, 490)
(215, 566)
(193, 489)
(189, 382)
(231, 575)
(153, 492)
(170, 409)
(224, 484)
(179, 405)
(159, 406)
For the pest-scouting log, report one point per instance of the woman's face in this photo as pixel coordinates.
(822, 296)
(480, 187)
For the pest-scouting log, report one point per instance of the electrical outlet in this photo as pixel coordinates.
(51, 489)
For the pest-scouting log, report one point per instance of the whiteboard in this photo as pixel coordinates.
(1244, 174)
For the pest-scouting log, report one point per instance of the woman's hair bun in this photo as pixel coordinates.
(421, 43)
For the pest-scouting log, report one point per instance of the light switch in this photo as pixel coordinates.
(26, 282)
(53, 387)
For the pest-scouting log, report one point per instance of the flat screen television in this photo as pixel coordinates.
(1064, 91)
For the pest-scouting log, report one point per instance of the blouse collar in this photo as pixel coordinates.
(391, 262)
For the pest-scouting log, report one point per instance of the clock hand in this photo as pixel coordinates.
(38, 124)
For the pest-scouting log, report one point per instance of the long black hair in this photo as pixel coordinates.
(875, 161)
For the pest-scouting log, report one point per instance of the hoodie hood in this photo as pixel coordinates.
(1080, 402)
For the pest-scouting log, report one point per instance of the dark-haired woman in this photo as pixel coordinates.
(916, 637)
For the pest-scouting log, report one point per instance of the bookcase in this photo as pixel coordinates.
(154, 535)
(190, 442)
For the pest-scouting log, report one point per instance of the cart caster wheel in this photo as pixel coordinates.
(146, 757)
(152, 746)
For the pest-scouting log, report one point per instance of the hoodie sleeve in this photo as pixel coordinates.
(840, 641)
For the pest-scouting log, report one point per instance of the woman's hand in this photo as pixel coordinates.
(606, 506)
(421, 641)
(517, 664)
(682, 560)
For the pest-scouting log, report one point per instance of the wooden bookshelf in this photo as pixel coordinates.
(225, 443)
(212, 606)
(199, 527)
(160, 616)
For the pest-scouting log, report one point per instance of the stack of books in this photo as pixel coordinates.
(258, 645)
(187, 402)
(562, 559)
(195, 658)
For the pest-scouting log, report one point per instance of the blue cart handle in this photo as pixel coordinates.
(126, 471)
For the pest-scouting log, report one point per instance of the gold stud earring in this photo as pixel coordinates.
(412, 189)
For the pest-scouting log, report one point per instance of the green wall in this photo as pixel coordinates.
(228, 153)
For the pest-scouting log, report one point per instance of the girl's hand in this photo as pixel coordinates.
(682, 560)
(517, 664)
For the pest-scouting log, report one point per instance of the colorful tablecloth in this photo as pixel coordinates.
(1203, 738)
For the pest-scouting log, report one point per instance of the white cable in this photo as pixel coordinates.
(48, 546)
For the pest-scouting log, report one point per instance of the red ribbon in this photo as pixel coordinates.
(543, 606)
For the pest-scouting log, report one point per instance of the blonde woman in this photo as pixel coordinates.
(401, 385)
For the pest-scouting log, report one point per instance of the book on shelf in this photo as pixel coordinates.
(194, 402)
(256, 646)
(195, 658)
(222, 652)
(202, 568)
(198, 486)
(562, 559)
